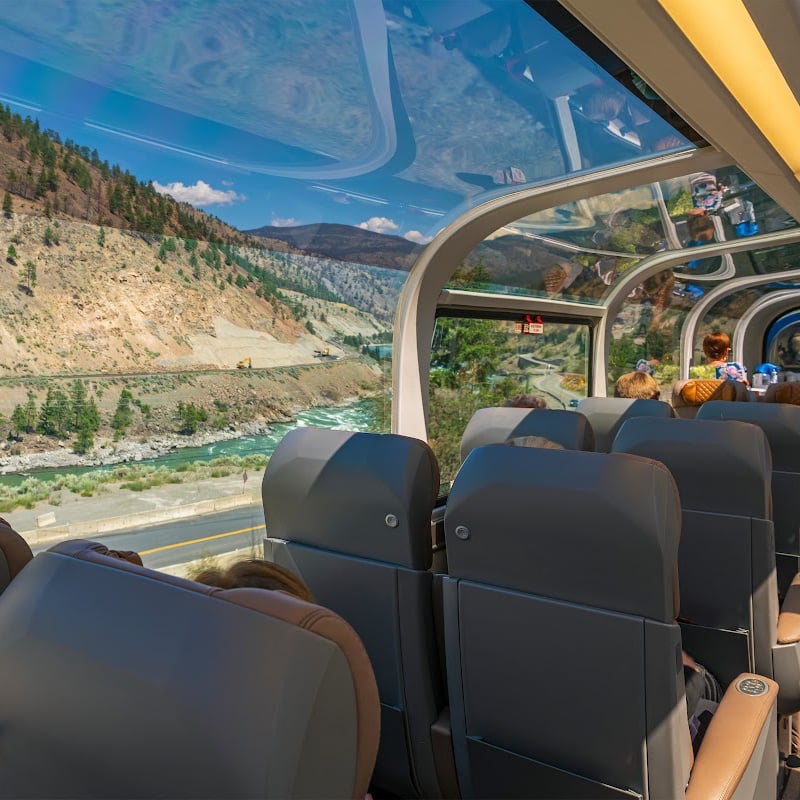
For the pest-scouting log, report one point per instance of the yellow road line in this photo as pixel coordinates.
(198, 541)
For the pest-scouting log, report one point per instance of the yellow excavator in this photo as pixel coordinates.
(323, 353)
(245, 363)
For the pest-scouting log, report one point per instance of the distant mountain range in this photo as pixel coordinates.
(345, 243)
(513, 260)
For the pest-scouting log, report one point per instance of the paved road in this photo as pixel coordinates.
(551, 384)
(190, 539)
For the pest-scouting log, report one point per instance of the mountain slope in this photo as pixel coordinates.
(345, 243)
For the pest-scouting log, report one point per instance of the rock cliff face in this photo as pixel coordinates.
(118, 307)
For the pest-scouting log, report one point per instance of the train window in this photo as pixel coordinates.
(479, 361)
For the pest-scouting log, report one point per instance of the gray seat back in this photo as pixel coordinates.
(117, 681)
(560, 626)
(15, 553)
(351, 514)
(499, 424)
(606, 415)
(781, 424)
(727, 553)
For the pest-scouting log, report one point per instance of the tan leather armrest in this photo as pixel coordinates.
(730, 739)
(789, 618)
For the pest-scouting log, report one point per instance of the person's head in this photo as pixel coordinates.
(716, 346)
(637, 386)
(525, 401)
(700, 228)
(534, 441)
(255, 573)
(603, 104)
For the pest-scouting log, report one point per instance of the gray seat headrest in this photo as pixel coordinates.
(780, 422)
(606, 415)
(615, 519)
(722, 467)
(107, 667)
(363, 494)
(499, 424)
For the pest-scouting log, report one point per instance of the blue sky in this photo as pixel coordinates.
(420, 129)
(198, 161)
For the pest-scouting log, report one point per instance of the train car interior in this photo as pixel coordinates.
(517, 288)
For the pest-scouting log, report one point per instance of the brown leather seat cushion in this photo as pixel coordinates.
(699, 391)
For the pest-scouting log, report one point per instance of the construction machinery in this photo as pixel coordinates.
(245, 363)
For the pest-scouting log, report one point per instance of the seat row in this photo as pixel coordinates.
(477, 670)
(601, 418)
(557, 622)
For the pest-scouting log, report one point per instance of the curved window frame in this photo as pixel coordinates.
(423, 290)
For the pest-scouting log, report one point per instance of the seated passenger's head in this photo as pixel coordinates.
(525, 401)
(255, 573)
(637, 386)
(603, 104)
(700, 228)
(716, 346)
(534, 441)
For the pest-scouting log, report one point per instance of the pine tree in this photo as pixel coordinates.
(8, 204)
(77, 403)
(123, 414)
(19, 420)
(11, 254)
(30, 413)
(28, 276)
(85, 438)
(54, 416)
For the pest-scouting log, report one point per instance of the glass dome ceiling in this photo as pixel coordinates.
(579, 251)
(387, 117)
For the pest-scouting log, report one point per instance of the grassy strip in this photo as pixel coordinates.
(136, 477)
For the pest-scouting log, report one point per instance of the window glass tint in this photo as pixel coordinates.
(478, 362)
(578, 251)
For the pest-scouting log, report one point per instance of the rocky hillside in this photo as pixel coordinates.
(75, 299)
(143, 298)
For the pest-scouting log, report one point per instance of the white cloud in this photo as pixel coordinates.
(379, 225)
(418, 237)
(199, 194)
(283, 222)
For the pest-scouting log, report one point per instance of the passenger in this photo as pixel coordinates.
(717, 348)
(637, 385)
(525, 401)
(534, 441)
(701, 231)
(131, 556)
(256, 573)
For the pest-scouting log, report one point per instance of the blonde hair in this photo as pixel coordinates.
(256, 573)
(534, 441)
(637, 386)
